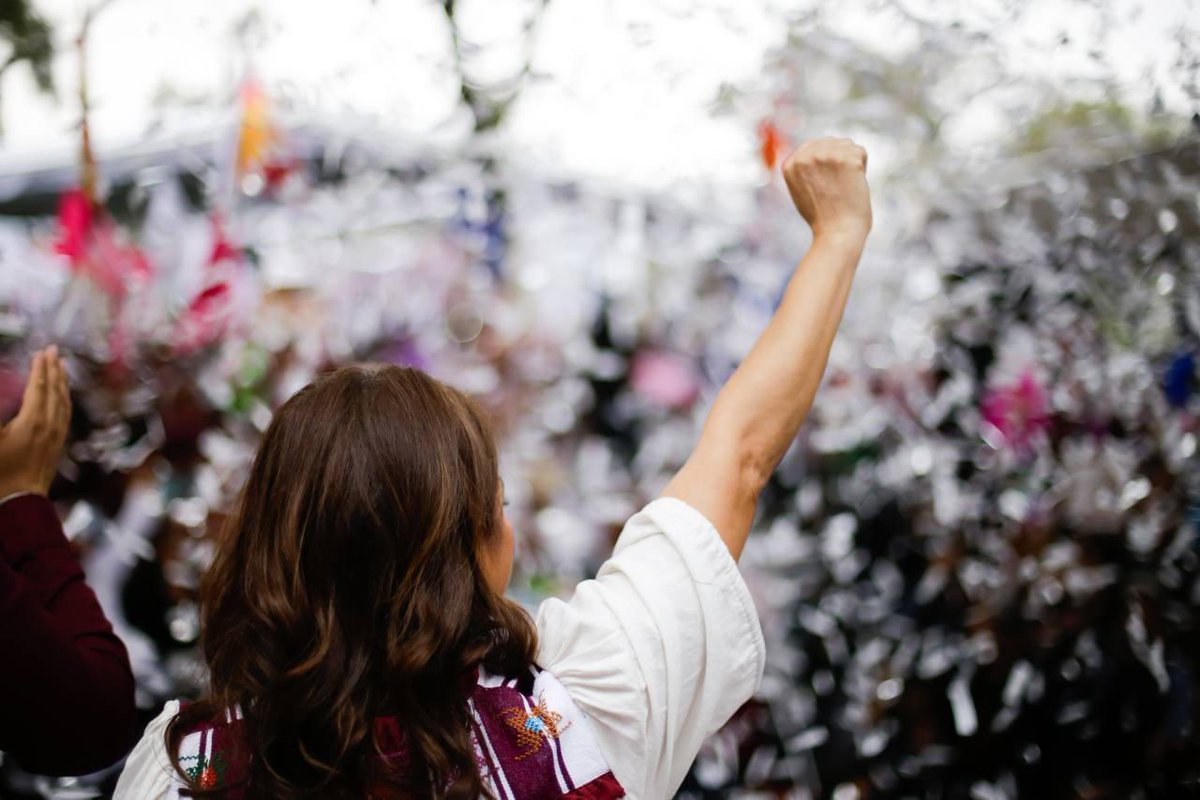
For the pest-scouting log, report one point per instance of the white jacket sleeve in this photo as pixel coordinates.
(660, 649)
(148, 774)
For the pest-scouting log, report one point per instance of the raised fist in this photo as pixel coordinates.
(827, 179)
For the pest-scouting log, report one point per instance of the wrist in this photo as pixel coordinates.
(846, 242)
(848, 234)
(16, 486)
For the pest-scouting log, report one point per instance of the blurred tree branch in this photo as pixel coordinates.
(488, 106)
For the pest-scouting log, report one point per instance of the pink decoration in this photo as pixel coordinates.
(1018, 410)
(222, 249)
(210, 312)
(664, 378)
(75, 221)
(93, 243)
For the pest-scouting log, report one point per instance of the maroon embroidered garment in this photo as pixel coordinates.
(531, 741)
(66, 689)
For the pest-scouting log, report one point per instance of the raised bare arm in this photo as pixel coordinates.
(759, 410)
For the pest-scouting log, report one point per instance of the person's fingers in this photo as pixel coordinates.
(50, 399)
(64, 393)
(60, 414)
(35, 388)
(56, 405)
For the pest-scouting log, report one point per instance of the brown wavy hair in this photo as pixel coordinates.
(349, 584)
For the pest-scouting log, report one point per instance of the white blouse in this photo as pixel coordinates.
(658, 650)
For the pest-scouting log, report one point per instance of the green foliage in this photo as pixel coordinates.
(1059, 123)
(30, 38)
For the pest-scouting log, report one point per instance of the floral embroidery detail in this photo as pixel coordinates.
(206, 773)
(533, 726)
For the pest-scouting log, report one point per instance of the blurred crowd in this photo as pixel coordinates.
(977, 568)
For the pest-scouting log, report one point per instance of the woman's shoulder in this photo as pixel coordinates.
(671, 576)
(660, 648)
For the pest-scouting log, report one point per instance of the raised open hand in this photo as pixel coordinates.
(31, 444)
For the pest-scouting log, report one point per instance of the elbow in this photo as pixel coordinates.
(755, 473)
(755, 461)
(747, 472)
(751, 444)
(115, 730)
(87, 731)
(70, 753)
(90, 749)
(109, 721)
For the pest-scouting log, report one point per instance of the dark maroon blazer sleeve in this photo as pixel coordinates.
(66, 688)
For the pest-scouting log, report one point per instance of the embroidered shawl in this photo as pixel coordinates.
(531, 742)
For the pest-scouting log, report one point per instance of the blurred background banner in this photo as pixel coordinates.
(979, 566)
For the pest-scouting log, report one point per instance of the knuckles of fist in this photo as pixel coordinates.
(826, 152)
